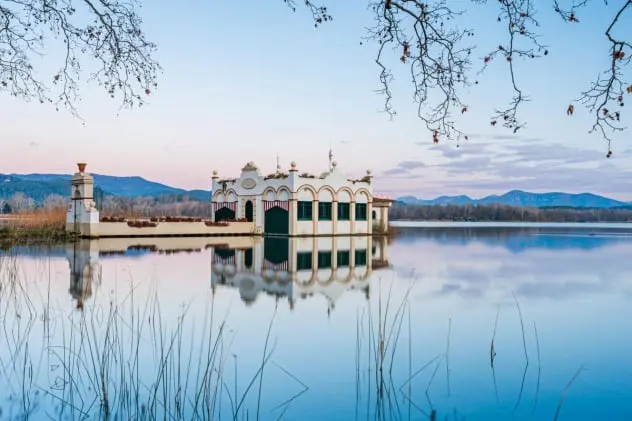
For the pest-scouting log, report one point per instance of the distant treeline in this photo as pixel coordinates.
(164, 205)
(481, 213)
(184, 205)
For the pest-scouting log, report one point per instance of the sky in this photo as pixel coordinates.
(247, 80)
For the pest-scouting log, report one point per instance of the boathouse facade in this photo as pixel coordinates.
(295, 203)
(284, 204)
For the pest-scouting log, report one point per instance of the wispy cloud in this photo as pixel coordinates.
(406, 168)
(395, 171)
(479, 168)
(411, 165)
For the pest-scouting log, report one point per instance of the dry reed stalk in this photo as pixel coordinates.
(39, 219)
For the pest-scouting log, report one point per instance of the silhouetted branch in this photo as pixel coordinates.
(522, 42)
(605, 94)
(319, 13)
(429, 38)
(434, 53)
(107, 31)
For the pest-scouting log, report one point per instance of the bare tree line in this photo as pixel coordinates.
(166, 205)
(176, 205)
(154, 206)
(20, 202)
(481, 213)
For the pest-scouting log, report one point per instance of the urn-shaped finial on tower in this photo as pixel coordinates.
(82, 167)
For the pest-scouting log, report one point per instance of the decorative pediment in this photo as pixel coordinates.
(250, 166)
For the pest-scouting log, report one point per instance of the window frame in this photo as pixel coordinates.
(341, 206)
(328, 215)
(301, 207)
(365, 208)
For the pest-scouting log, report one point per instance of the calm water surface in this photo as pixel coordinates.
(322, 329)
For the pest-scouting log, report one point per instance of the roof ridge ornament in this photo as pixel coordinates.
(250, 166)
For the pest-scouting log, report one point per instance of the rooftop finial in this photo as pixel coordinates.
(278, 164)
(331, 157)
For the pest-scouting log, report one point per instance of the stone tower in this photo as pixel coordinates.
(83, 216)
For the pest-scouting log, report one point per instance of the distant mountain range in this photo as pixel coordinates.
(527, 199)
(38, 186)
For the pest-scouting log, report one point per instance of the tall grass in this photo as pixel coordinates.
(43, 223)
(121, 360)
(43, 218)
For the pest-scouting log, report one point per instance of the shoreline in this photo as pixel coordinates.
(12, 234)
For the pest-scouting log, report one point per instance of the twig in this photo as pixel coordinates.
(524, 341)
(537, 388)
(447, 355)
(565, 391)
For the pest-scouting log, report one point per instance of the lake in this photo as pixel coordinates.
(322, 329)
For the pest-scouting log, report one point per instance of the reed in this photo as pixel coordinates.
(43, 223)
(121, 360)
(124, 359)
(43, 218)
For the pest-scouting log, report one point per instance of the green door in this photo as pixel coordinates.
(249, 211)
(224, 214)
(276, 222)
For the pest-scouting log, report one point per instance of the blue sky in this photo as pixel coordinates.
(247, 80)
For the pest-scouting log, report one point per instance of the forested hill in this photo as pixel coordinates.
(39, 186)
(522, 198)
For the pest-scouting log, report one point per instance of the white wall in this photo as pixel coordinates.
(328, 187)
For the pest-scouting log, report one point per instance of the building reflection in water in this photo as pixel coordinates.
(292, 268)
(85, 270)
(297, 268)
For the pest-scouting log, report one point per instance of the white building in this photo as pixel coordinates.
(298, 204)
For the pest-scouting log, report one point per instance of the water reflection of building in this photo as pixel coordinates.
(299, 267)
(85, 269)
(284, 267)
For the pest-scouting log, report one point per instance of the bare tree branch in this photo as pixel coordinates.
(428, 38)
(104, 39)
(605, 97)
(106, 31)
(319, 13)
(522, 43)
(436, 55)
